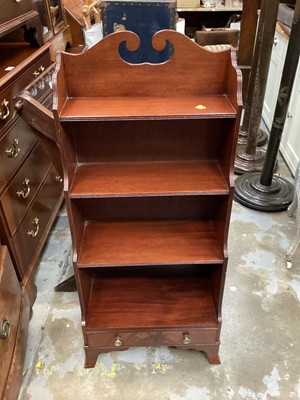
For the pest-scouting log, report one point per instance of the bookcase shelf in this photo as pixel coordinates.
(147, 108)
(149, 243)
(148, 179)
(148, 153)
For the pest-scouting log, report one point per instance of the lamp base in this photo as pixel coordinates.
(262, 137)
(245, 162)
(251, 193)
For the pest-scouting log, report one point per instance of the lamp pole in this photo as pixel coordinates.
(249, 158)
(265, 191)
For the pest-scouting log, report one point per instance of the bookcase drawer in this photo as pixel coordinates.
(121, 339)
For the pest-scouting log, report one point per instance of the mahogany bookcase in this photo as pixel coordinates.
(147, 151)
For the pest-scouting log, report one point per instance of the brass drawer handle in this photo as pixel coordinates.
(35, 229)
(186, 339)
(5, 114)
(39, 71)
(4, 329)
(118, 342)
(24, 193)
(14, 151)
(58, 178)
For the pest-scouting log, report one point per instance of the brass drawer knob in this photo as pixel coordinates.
(14, 151)
(186, 339)
(4, 110)
(4, 329)
(33, 232)
(118, 342)
(24, 193)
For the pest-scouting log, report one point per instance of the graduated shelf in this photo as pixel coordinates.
(143, 243)
(148, 179)
(156, 300)
(131, 108)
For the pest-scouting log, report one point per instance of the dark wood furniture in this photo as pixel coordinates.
(14, 319)
(30, 193)
(55, 29)
(147, 153)
(75, 20)
(198, 17)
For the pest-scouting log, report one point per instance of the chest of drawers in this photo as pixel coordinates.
(30, 188)
(14, 318)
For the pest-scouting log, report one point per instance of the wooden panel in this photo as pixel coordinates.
(149, 242)
(198, 207)
(113, 77)
(163, 140)
(148, 179)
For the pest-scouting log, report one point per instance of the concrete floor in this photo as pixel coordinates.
(260, 346)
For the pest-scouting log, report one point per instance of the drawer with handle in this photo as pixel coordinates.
(184, 337)
(33, 226)
(10, 304)
(15, 145)
(18, 83)
(23, 188)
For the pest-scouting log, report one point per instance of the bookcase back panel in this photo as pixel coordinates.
(148, 140)
(151, 208)
(176, 77)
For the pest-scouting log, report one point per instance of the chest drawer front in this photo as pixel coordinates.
(10, 303)
(15, 145)
(7, 111)
(188, 337)
(11, 9)
(23, 188)
(31, 230)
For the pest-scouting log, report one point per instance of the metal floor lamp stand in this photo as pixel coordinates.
(243, 134)
(249, 157)
(265, 191)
